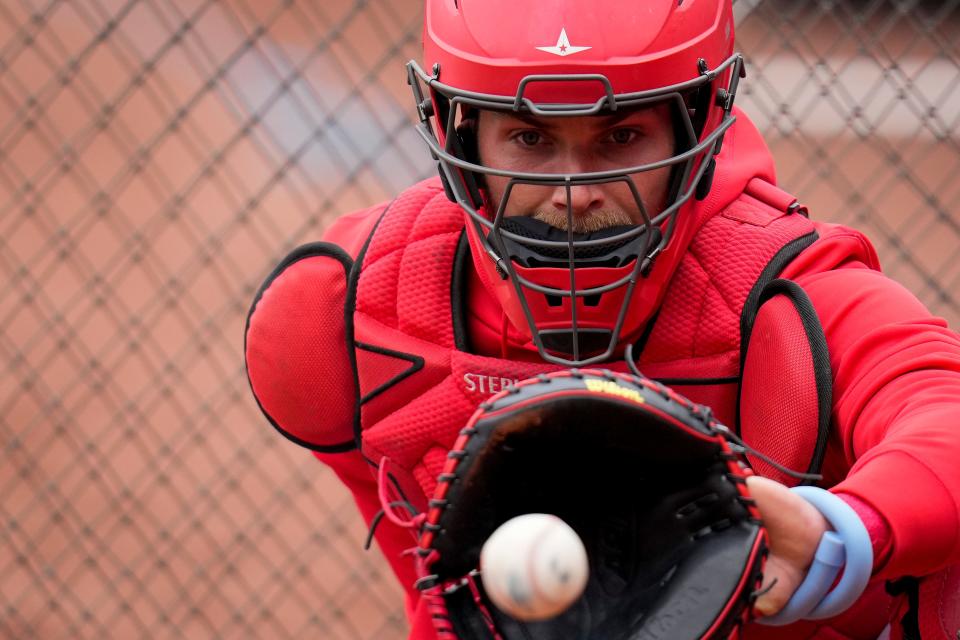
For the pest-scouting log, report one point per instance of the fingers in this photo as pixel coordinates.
(780, 581)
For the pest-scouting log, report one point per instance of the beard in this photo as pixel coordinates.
(585, 223)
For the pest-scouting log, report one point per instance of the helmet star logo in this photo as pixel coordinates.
(563, 46)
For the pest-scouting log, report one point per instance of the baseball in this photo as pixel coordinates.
(534, 566)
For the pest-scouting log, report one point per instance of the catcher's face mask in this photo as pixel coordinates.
(567, 230)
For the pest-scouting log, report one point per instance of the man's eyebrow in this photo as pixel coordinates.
(542, 123)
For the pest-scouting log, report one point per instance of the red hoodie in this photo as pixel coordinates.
(895, 435)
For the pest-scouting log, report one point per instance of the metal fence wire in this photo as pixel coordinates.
(158, 157)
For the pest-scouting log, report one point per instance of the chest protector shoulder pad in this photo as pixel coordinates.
(296, 348)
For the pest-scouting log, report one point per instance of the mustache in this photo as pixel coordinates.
(584, 223)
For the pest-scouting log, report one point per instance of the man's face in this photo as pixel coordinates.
(578, 145)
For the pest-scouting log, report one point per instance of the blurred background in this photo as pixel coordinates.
(158, 157)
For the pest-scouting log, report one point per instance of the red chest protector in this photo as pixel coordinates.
(417, 383)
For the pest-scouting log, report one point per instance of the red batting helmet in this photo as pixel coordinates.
(578, 296)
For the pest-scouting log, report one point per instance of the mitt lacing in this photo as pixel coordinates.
(413, 520)
(389, 508)
(430, 586)
(737, 445)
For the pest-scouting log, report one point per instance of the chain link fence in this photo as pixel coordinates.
(158, 157)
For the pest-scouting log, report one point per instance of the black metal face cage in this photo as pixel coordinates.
(459, 174)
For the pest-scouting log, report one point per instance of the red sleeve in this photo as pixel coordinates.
(355, 473)
(896, 405)
(881, 538)
(350, 232)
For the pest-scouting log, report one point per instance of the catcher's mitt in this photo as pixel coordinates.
(645, 478)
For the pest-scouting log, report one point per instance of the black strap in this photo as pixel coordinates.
(910, 623)
(349, 308)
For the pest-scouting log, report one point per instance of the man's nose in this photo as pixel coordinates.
(581, 199)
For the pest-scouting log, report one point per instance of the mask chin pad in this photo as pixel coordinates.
(591, 341)
(616, 253)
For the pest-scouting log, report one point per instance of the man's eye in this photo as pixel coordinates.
(529, 138)
(623, 136)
